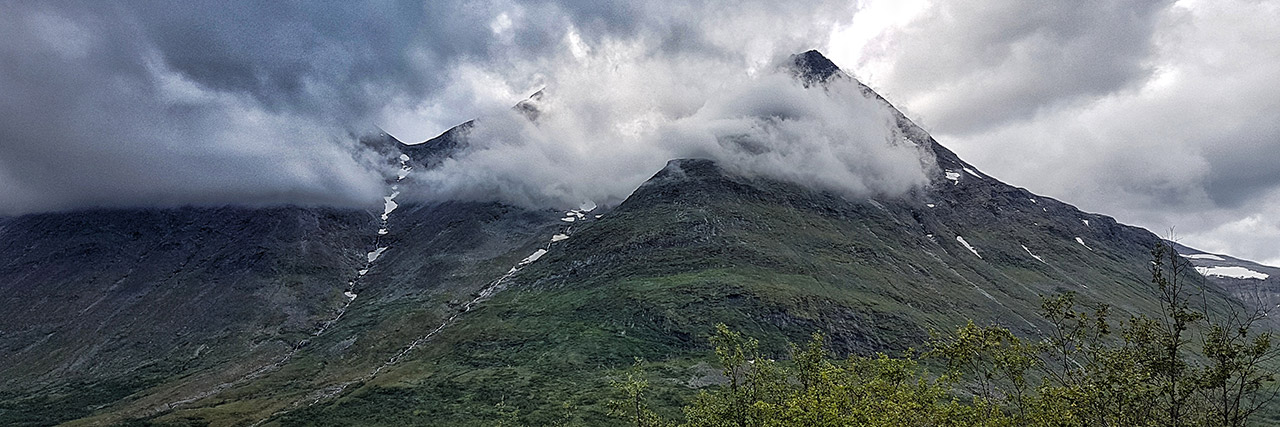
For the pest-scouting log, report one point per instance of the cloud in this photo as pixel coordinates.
(154, 103)
(1015, 57)
(97, 115)
(1158, 113)
(1167, 118)
(607, 122)
(1252, 236)
(528, 41)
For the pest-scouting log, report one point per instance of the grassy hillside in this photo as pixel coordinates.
(694, 247)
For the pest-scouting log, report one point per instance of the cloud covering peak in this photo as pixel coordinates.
(607, 122)
(1159, 112)
(155, 103)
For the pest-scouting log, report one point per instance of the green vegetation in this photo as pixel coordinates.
(1181, 367)
(73, 401)
(649, 280)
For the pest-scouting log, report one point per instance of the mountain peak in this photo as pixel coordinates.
(812, 67)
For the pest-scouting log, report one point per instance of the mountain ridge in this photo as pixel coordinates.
(461, 306)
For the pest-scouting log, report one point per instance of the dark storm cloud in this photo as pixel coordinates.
(346, 59)
(93, 116)
(167, 103)
(333, 58)
(967, 66)
(209, 102)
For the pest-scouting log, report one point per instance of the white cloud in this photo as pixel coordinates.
(1187, 140)
(610, 120)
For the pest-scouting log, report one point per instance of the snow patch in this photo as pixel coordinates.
(403, 172)
(373, 256)
(404, 157)
(1210, 257)
(350, 295)
(971, 172)
(1233, 272)
(587, 206)
(1033, 200)
(967, 246)
(1081, 242)
(1024, 247)
(382, 231)
(363, 271)
(953, 176)
(559, 237)
(533, 257)
(388, 204)
(1085, 221)
(930, 204)
(569, 219)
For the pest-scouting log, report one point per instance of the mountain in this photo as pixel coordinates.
(464, 313)
(1257, 285)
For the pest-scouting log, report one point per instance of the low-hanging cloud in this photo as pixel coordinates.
(607, 122)
(98, 112)
(156, 103)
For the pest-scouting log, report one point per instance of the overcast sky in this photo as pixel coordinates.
(1162, 114)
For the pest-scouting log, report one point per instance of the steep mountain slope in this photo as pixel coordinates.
(468, 313)
(695, 246)
(100, 304)
(142, 311)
